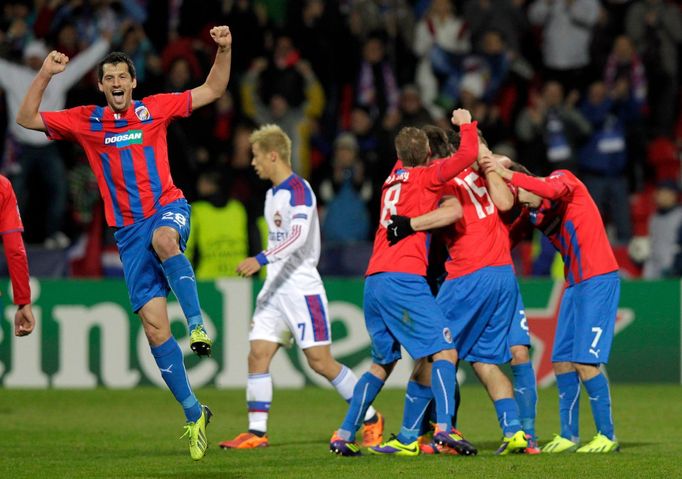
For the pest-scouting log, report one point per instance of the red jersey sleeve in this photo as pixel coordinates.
(552, 187)
(170, 105)
(63, 124)
(10, 220)
(465, 155)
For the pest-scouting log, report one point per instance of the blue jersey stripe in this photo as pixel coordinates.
(153, 172)
(122, 123)
(131, 184)
(96, 119)
(109, 179)
(576, 247)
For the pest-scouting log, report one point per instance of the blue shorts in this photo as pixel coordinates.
(519, 334)
(480, 307)
(141, 266)
(401, 311)
(587, 319)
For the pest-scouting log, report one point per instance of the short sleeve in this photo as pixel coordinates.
(62, 124)
(170, 105)
(10, 219)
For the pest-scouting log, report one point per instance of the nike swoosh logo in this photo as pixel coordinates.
(593, 399)
(167, 370)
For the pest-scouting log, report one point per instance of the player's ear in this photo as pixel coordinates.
(99, 86)
(134, 82)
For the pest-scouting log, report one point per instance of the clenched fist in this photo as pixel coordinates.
(222, 36)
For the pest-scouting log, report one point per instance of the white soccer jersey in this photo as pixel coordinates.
(293, 238)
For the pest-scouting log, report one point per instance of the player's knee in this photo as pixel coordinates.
(258, 360)
(520, 355)
(165, 243)
(319, 364)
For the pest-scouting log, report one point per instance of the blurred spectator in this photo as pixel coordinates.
(504, 16)
(218, 230)
(35, 157)
(136, 45)
(655, 27)
(345, 194)
(411, 109)
(603, 159)
(285, 91)
(566, 33)
(15, 28)
(664, 231)
(441, 41)
(551, 131)
(376, 86)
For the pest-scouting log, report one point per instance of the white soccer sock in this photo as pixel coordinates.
(258, 400)
(344, 383)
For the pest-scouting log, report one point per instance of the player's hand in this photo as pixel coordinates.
(54, 63)
(24, 322)
(490, 165)
(248, 267)
(398, 228)
(223, 37)
(460, 116)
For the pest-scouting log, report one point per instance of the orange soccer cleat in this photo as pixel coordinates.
(373, 433)
(245, 440)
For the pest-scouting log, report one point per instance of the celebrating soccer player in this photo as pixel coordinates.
(293, 300)
(125, 143)
(398, 304)
(480, 296)
(561, 207)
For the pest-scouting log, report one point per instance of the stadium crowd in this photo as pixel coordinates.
(583, 85)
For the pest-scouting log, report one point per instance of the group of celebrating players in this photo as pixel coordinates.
(459, 190)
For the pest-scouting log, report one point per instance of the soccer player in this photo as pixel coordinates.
(480, 295)
(561, 207)
(398, 304)
(293, 301)
(125, 143)
(11, 228)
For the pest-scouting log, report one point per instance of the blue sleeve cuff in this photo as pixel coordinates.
(262, 259)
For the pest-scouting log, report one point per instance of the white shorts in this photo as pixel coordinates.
(292, 314)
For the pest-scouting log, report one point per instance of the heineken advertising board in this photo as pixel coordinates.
(86, 336)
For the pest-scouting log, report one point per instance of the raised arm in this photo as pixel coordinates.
(551, 187)
(467, 152)
(216, 81)
(500, 193)
(28, 115)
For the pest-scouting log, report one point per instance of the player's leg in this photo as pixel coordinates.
(525, 393)
(169, 237)
(500, 391)
(170, 361)
(525, 387)
(597, 303)
(567, 381)
(344, 381)
(269, 330)
(418, 400)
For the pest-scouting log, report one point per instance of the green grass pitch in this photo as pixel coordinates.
(121, 434)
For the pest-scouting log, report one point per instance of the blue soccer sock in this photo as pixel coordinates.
(366, 390)
(169, 359)
(569, 405)
(180, 276)
(443, 379)
(526, 395)
(508, 416)
(600, 399)
(417, 401)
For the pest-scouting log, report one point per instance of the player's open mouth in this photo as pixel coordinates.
(117, 93)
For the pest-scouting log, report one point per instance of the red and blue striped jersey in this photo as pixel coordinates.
(127, 152)
(570, 219)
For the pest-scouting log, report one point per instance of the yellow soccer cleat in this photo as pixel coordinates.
(199, 342)
(197, 434)
(515, 443)
(559, 444)
(393, 447)
(599, 445)
(373, 433)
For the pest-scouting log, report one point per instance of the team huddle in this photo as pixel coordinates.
(457, 194)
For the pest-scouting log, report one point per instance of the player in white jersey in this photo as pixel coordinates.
(292, 302)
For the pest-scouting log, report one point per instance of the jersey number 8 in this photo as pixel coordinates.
(391, 198)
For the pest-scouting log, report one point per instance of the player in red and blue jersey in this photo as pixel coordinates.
(398, 305)
(125, 143)
(561, 207)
